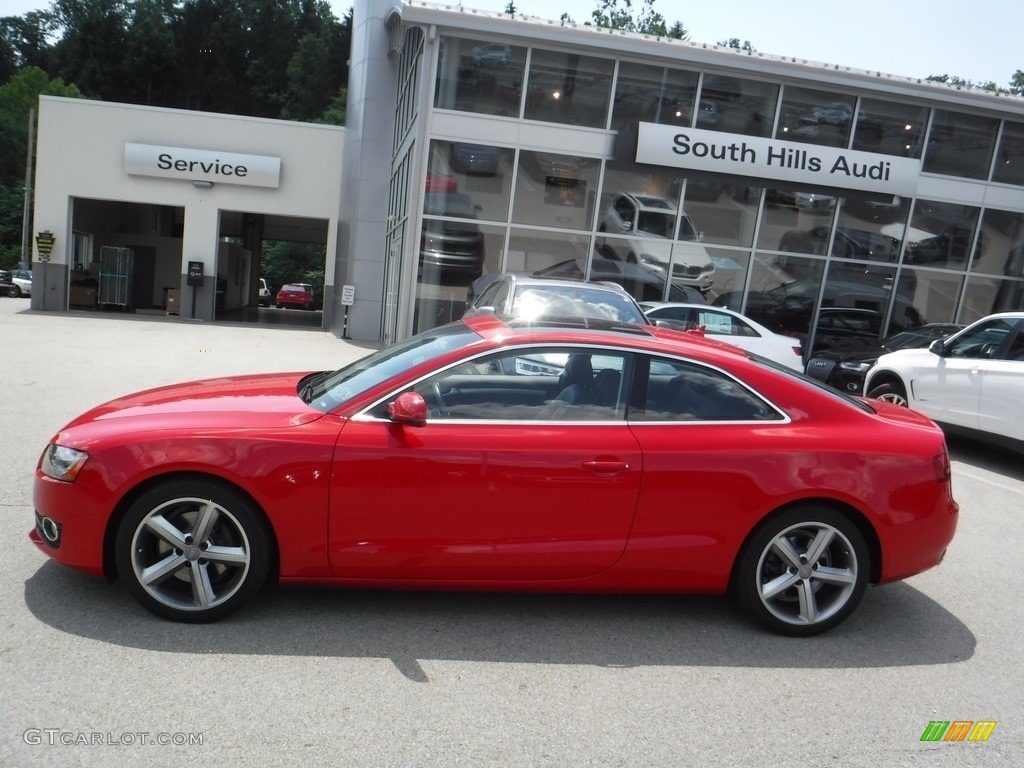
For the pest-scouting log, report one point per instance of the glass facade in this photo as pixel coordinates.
(823, 264)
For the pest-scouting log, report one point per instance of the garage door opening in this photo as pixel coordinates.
(258, 256)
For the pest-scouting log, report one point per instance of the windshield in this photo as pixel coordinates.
(579, 301)
(328, 392)
(658, 224)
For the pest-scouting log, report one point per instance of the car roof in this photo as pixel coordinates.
(585, 330)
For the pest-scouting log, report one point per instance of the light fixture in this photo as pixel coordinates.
(202, 184)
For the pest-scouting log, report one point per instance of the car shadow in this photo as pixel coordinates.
(895, 625)
(994, 458)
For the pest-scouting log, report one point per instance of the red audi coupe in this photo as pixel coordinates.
(484, 455)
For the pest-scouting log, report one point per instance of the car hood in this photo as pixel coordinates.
(265, 401)
(852, 354)
(907, 356)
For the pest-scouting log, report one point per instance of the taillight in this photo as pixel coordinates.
(943, 470)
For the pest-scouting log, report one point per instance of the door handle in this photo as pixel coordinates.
(606, 466)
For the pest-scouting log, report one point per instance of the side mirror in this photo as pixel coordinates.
(409, 408)
(937, 348)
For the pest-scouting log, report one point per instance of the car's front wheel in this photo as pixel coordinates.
(14, 292)
(891, 393)
(193, 550)
(803, 571)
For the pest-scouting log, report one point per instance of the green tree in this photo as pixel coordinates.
(28, 39)
(17, 97)
(90, 53)
(618, 14)
(149, 53)
(1017, 83)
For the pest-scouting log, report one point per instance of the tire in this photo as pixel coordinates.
(178, 578)
(802, 572)
(891, 393)
(14, 291)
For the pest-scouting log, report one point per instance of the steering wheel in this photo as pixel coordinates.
(441, 408)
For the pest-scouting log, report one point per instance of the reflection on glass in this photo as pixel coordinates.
(555, 190)
(960, 145)
(532, 251)
(481, 171)
(939, 235)
(740, 106)
(986, 295)
(1009, 167)
(783, 298)
(1002, 251)
(815, 117)
(568, 88)
(477, 76)
(645, 93)
(730, 272)
(924, 296)
(453, 253)
(889, 128)
(725, 213)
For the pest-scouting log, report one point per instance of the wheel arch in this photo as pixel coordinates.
(885, 377)
(129, 498)
(854, 515)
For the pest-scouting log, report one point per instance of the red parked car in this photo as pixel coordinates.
(297, 295)
(482, 455)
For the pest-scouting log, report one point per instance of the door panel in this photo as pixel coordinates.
(481, 501)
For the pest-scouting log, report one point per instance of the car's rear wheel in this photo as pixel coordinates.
(891, 393)
(803, 572)
(14, 292)
(193, 550)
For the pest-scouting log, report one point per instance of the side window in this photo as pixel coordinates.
(489, 297)
(1016, 350)
(983, 341)
(536, 384)
(723, 324)
(681, 391)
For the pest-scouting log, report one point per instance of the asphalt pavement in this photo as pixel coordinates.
(363, 678)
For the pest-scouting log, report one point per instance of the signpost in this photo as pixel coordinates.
(44, 244)
(348, 298)
(194, 277)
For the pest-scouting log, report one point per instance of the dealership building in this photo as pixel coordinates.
(802, 193)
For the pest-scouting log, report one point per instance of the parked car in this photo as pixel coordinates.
(479, 159)
(641, 283)
(646, 219)
(16, 282)
(7, 286)
(731, 327)
(528, 297)
(969, 382)
(264, 297)
(844, 366)
(655, 461)
(297, 296)
(451, 251)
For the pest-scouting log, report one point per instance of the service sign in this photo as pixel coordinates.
(201, 165)
(714, 152)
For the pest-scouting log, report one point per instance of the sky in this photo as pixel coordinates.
(977, 40)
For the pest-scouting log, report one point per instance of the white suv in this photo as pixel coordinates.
(971, 381)
(644, 220)
(264, 299)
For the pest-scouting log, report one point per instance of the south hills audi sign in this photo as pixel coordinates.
(713, 152)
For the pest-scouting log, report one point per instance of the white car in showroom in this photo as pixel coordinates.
(970, 382)
(641, 221)
(731, 327)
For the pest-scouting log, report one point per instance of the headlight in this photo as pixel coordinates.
(62, 463)
(855, 367)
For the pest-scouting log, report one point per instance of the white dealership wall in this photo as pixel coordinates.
(81, 154)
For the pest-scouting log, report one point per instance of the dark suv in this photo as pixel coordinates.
(451, 252)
